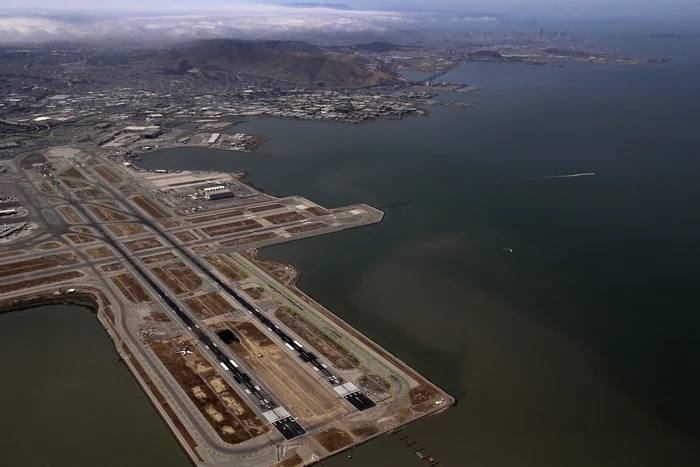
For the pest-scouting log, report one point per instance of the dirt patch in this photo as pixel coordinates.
(374, 383)
(231, 227)
(72, 184)
(125, 230)
(185, 237)
(168, 224)
(49, 246)
(71, 215)
(285, 217)
(72, 173)
(107, 215)
(252, 332)
(99, 252)
(159, 317)
(178, 277)
(293, 461)
(365, 431)
(203, 249)
(267, 207)
(233, 421)
(338, 356)
(131, 289)
(283, 272)
(145, 244)
(333, 439)
(79, 239)
(111, 267)
(306, 227)
(213, 217)
(158, 258)
(254, 292)
(281, 373)
(251, 239)
(208, 305)
(107, 175)
(23, 267)
(160, 399)
(46, 280)
(47, 188)
(226, 266)
(149, 207)
(7, 254)
(89, 193)
(317, 211)
(422, 393)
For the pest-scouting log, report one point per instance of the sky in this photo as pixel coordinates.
(587, 8)
(37, 21)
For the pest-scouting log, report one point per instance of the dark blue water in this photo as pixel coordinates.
(580, 348)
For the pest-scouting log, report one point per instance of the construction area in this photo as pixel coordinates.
(245, 369)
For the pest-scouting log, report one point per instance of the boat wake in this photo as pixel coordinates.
(588, 174)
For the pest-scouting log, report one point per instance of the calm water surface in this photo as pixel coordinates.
(580, 348)
(68, 401)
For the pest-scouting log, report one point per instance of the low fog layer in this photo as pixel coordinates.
(246, 21)
(185, 19)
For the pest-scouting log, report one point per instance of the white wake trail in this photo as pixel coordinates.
(588, 174)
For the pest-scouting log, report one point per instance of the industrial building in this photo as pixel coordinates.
(216, 192)
(144, 132)
(7, 212)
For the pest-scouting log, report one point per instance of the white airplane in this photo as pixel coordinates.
(185, 351)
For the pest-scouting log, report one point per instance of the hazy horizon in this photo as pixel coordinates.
(38, 21)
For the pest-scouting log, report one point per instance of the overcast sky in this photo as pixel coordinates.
(588, 8)
(186, 19)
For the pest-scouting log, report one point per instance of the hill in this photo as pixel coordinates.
(270, 59)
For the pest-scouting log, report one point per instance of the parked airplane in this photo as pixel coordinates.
(185, 351)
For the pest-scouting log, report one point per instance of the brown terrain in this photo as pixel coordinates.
(178, 277)
(145, 244)
(296, 62)
(71, 215)
(130, 288)
(208, 305)
(111, 267)
(306, 227)
(89, 193)
(107, 215)
(158, 258)
(107, 175)
(32, 265)
(213, 217)
(232, 419)
(284, 217)
(333, 439)
(99, 252)
(226, 266)
(251, 239)
(267, 207)
(231, 227)
(49, 246)
(79, 239)
(124, 230)
(46, 280)
(149, 207)
(185, 237)
(280, 372)
(338, 356)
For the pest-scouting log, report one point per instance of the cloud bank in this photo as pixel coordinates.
(243, 21)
